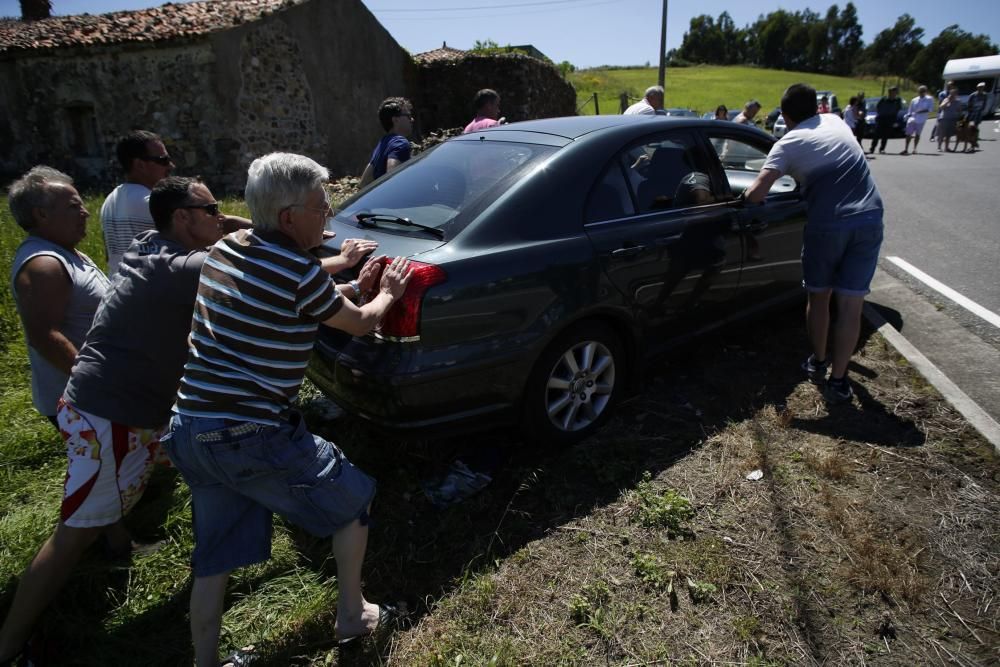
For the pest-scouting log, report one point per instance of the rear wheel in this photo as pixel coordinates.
(574, 384)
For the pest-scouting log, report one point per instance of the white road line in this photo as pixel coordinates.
(979, 418)
(939, 286)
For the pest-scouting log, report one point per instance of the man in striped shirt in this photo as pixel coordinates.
(234, 436)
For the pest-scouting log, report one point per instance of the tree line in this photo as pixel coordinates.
(806, 41)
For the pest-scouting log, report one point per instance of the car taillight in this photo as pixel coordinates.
(402, 322)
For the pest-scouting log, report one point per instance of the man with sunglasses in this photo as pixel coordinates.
(117, 402)
(125, 212)
(393, 149)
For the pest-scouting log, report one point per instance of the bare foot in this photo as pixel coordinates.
(349, 626)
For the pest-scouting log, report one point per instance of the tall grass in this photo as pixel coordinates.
(124, 607)
(705, 87)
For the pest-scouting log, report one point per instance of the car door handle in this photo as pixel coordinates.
(755, 225)
(630, 251)
(667, 240)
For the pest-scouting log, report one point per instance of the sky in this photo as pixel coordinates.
(589, 33)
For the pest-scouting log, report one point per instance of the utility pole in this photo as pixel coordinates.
(663, 47)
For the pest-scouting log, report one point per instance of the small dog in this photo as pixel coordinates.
(968, 135)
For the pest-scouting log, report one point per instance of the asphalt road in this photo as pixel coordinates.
(943, 212)
(943, 218)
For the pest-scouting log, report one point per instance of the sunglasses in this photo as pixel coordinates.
(211, 209)
(158, 159)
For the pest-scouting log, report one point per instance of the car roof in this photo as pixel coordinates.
(574, 127)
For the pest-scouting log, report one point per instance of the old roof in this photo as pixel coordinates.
(157, 24)
(445, 53)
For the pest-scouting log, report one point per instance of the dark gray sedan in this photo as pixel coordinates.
(553, 258)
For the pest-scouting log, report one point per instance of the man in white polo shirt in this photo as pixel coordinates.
(843, 234)
(651, 103)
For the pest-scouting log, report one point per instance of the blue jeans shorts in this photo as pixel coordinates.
(241, 472)
(841, 259)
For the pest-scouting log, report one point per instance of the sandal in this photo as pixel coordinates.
(240, 658)
(388, 615)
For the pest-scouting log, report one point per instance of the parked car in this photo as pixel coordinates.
(730, 114)
(552, 259)
(771, 118)
(780, 128)
(681, 113)
(898, 130)
(831, 98)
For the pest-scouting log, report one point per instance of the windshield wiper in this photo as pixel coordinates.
(372, 220)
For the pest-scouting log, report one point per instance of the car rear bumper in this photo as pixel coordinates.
(405, 387)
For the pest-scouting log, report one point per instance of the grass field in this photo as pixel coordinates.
(704, 88)
(871, 538)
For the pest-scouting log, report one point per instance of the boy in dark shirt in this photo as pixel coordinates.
(396, 116)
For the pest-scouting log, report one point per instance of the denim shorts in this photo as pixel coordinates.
(241, 472)
(841, 259)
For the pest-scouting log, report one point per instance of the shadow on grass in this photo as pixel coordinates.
(419, 554)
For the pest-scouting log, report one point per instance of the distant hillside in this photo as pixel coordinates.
(705, 87)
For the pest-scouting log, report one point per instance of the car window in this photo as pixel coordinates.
(438, 186)
(742, 161)
(660, 171)
(610, 198)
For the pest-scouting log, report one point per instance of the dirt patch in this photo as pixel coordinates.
(870, 538)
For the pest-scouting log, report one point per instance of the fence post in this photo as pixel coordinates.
(623, 102)
(597, 109)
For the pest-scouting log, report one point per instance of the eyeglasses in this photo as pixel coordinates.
(324, 210)
(158, 159)
(211, 209)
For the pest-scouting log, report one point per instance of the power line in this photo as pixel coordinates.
(583, 4)
(480, 7)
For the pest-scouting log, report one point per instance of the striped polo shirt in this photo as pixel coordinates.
(260, 301)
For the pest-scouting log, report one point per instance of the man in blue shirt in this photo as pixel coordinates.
(844, 231)
(396, 116)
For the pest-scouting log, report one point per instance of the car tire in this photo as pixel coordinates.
(574, 385)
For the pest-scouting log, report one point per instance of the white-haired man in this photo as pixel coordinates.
(651, 103)
(242, 449)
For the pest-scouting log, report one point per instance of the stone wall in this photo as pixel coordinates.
(308, 79)
(529, 89)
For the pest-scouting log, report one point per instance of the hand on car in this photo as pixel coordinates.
(352, 250)
(368, 277)
(395, 277)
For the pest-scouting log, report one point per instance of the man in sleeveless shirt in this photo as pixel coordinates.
(56, 287)
(57, 290)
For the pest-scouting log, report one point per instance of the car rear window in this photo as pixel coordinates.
(446, 186)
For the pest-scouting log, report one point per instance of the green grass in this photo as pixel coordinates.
(574, 556)
(134, 602)
(703, 88)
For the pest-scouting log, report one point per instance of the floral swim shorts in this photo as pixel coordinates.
(108, 468)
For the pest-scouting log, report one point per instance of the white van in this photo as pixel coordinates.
(967, 72)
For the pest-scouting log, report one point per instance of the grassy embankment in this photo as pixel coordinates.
(870, 539)
(706, 87)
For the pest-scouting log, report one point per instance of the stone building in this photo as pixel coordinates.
(449, 78)
(223, 81)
